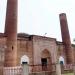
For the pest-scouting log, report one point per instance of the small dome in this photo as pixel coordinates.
(24, 59)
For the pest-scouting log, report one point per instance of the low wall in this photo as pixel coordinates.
(19, 70)
(42, 73)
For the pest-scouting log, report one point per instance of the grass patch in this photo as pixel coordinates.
(68, 74)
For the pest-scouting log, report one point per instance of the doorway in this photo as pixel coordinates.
(44, 64)
(46, 60)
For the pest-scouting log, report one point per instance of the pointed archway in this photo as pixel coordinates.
(46, 60)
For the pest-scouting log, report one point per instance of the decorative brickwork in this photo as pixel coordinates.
(66, 39)
(11, 34)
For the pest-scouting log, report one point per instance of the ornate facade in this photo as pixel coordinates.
(41, 50)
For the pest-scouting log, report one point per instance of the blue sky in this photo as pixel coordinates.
(42, 16)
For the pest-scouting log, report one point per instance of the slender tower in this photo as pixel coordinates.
(66, 38)
(11, 34)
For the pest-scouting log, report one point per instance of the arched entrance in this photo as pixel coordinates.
(24, 59)
(46, 60)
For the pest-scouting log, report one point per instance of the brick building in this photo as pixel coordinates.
(43, 52)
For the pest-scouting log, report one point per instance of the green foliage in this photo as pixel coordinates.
(74, 39)
(68, 74)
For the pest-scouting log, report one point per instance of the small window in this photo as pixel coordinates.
(12, 47)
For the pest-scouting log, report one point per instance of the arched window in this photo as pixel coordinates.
(61, 60)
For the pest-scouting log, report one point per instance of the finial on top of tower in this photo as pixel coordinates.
(62, 16)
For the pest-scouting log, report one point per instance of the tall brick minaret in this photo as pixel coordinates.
(11, 34)
(66, 38)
